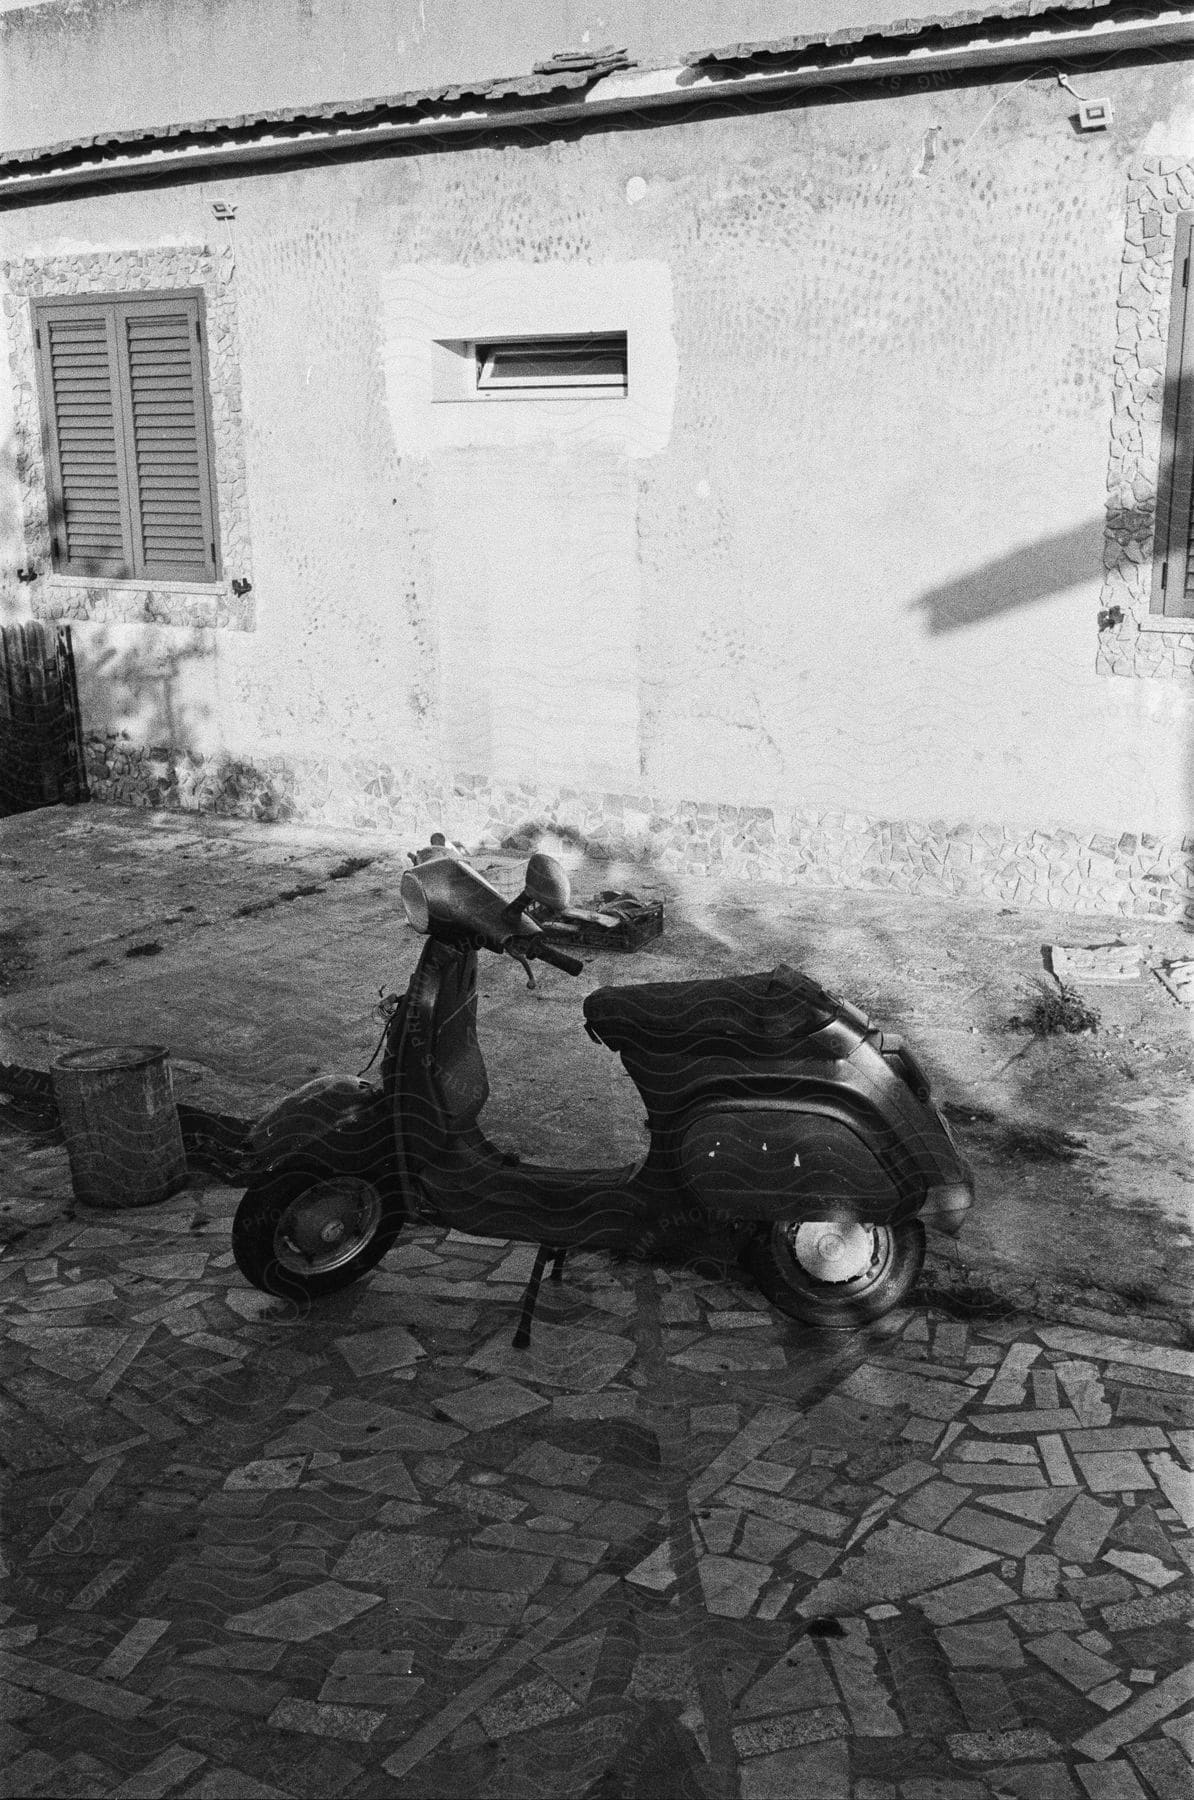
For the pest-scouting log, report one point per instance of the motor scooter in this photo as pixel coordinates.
(776, 1113)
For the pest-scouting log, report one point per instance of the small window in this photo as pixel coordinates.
(127, 439)
(1173, 554)
(551, 366)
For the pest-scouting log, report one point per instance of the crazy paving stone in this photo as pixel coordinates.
(477, 1643)
(907, 1476)
(573, 1665)
(992, 1533)
(1141, 1567)
(267, 1474)
(1181, 1731)
(1058, 1466)
(822, 1769)
(237, 1655)
(656, 1570)
(562, 1356)
(895, 1561)
(932, 1504)
(380, 1557)
(376, 1352)
(464, 1605)
(964, 1599)
(1009, 1475)
(985, 1699)
(981, 1644)
(354, 1723)
(1177, 1485)
(798, 1681)
(1113, 1471)
(1047, 1615)
(554, 1467)
(506, 1536)
(155, 1780)
(612, 1403)
(783, 1511)
(855, 1666)
(1097, 1590)
(1038, 1505)
(304, 1615)
(370, 1678)
(811, 1558)
(716, 1356)
(1083, 1531)
(1115, 1349)
(502, 1573)
(1110, 1781)
(979, 1450)
(730, 1586)
(920, 1675)
(81, 1690)
(1025, 1424)
(788, 1730)
(1164, 1768)
(1080, 1667)
(763, 1540)
(489, 1403)
(1033, 1781)
(375, 1474)
(1157, 1609)
(999, 1746)
(227, 1690)
(882, 1387)
(1119, 1437)
(136, 1644)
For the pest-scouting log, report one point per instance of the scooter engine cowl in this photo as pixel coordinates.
(751, 1163)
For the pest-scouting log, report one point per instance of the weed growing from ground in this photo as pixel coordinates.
(1055, 1008)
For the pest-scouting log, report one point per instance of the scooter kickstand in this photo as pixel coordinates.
(522, 1336)
(557, 1267)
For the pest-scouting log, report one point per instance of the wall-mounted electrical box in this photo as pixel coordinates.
(1095, 115)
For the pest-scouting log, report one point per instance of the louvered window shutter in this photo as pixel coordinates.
(129, 457)
(1173, 555)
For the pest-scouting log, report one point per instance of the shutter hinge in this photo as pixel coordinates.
(198, 333)
(37, 335)
(1186, 273)
(213, 550)
(1164, 573)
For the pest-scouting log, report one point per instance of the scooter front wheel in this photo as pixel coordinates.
(301, 1233)
(837, 1275)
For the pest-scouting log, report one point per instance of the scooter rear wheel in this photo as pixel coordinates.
(837, 1276)
(300, 1233)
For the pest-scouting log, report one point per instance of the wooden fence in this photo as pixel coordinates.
(41, 738)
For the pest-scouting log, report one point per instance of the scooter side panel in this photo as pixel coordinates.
(335, 1119)
(752, 1162)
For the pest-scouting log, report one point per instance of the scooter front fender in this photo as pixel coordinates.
(336, 1117)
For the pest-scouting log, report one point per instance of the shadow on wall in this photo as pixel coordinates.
(14, 605)
(140, 691)
(1034, 572)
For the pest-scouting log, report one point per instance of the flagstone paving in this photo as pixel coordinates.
(373, 1550)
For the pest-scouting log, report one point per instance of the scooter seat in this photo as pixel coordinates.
(744, 1016)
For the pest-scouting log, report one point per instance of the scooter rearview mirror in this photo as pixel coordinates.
(546, 883)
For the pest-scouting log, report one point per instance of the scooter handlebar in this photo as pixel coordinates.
(559, 959)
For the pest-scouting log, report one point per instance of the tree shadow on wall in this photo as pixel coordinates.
(1032, 573)
(140, 690)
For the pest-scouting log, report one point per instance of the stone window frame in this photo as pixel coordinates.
(226, 603)
(1133, 639)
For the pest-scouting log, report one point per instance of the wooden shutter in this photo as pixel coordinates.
(166, 438)
(89, 514)
(129, 458)
(1173, 555)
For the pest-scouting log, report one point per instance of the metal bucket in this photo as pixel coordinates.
(121, 1125)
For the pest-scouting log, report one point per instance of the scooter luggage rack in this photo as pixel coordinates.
(522, 1337)
(638, 922)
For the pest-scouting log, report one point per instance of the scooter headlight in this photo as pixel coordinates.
(414, 901)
